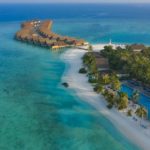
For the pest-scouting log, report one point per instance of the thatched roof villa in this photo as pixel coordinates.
(101, 62)
(137, 47)
(39, 33)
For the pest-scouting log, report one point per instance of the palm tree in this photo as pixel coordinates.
(128, 47)
(99, 88)
(135, 96)
(92, 67)
(96, 74)
(129, 112)
(110, 97)
(116, 84)
(105, 79)
(106, 93)
(122, 101)
(141, 112)
(90, 48)
(88, 59)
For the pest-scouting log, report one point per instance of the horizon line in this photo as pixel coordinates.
(75, 3)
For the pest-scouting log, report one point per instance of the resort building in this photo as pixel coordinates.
(137, 47)
(39, 33)
(101, 62)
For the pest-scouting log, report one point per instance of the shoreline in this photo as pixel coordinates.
(79, 83)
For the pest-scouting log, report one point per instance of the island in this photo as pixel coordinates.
(114, 79)
(122, 76)
(39, 33)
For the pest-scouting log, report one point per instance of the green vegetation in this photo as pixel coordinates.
(108, 84)
(65, 84)
(105, 79)
(90, 62)
(92, 80)
(101, 80)
(130, 62)
(83, 71)
(129, 113)
(115, 83)
(99, 88)
(135, 96)
(122, 101)
(141, 112)
(110, 98)
(110, 79)
(90, 48)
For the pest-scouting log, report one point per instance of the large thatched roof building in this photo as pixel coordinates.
(39, 33)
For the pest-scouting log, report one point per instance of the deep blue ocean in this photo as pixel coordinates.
(36, 112)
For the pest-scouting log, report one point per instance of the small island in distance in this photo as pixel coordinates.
(39, 33)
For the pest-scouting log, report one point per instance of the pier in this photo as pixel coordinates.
(39, 33)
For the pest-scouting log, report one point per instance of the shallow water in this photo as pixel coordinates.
(36, 112)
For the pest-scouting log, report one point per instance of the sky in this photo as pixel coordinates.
(74, 1)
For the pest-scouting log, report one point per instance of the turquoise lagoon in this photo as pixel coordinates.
(36, 112)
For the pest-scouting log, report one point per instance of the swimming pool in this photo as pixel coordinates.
(144, 100)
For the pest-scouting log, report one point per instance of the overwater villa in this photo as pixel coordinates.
(39, 33)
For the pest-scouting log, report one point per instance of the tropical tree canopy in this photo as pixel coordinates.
(90, 48)
(116, 84)
(137, 65)
(105, 79)
(141, 112)
(99, 88)
(122, 101)
(135, 96)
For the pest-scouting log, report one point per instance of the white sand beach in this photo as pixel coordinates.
(98, 47)
(79, 83)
